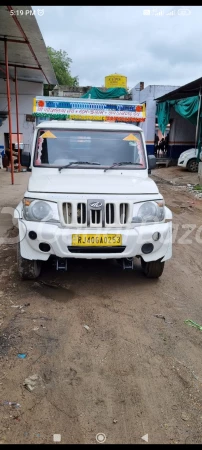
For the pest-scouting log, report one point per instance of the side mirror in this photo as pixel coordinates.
(151, 162)
(25, 159)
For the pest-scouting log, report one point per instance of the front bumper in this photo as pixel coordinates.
(182, 162)
(60, 239)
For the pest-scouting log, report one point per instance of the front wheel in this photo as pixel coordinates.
(152, 269)
(28, 269)
(192, 165)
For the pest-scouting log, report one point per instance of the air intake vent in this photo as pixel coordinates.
(109, 213)
(81, 213)
(67, 213)
(123, 213)
(95, 217)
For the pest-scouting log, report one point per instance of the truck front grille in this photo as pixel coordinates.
(80, 215)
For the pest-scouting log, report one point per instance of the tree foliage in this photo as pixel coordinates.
(61, 65)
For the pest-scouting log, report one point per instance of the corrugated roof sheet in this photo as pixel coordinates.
(188, 90)
(20, 53)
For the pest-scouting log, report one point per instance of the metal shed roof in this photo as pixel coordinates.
(188, 90)
(26, 46)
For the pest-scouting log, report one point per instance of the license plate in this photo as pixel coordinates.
(97, 240)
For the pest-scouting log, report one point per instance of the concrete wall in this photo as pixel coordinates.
(26, 92)
(67, 91)
(147, 96)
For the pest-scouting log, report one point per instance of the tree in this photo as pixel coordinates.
(61, 65)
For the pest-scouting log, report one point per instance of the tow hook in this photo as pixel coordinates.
(128, 264)
(61, 264)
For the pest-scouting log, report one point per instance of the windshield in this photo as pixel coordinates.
(57, 148)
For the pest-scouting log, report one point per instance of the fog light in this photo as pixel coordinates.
(44, 247)
(147, 248)
(156, 236)
(32, 235)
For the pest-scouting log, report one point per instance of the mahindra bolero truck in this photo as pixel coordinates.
(90, 196)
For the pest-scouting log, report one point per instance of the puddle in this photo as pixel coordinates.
(54, 291)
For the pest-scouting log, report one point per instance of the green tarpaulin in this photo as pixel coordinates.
(186, 107)
(96, 93)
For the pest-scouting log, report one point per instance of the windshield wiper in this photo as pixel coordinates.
(78, 162)
(123, 163)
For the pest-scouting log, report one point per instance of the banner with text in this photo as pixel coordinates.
(88, 110)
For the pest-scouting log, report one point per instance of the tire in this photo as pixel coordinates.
(192, 165)
(28, 269)
(152, 269)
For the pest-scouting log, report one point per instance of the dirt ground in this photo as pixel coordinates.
(131, 373)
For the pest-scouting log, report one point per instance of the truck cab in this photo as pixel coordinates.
(90, 196)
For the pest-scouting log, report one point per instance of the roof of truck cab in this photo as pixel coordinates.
(86, 124)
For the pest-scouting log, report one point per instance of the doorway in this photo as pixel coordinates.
(14, 141)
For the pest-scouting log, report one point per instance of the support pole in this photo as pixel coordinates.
(198, 120)
(9, 111)
(17, 118)
(198, 139)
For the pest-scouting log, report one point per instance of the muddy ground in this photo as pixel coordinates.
(137, 370)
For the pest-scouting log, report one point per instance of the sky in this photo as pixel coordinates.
(156, 45)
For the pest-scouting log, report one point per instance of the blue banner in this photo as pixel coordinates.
(82, 105)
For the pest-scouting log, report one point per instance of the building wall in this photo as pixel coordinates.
(26, 92)
(147, 96)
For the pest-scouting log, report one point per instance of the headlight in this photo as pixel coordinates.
(40, 210)
(147, 212)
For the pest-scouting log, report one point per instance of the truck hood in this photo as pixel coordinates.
(89, 183)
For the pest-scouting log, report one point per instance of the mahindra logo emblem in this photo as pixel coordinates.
(96, 205)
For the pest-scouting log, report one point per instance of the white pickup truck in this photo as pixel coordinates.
(89, 196)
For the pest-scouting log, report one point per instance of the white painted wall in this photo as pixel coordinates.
(26, 92)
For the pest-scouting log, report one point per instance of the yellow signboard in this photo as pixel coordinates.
(115, 81)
